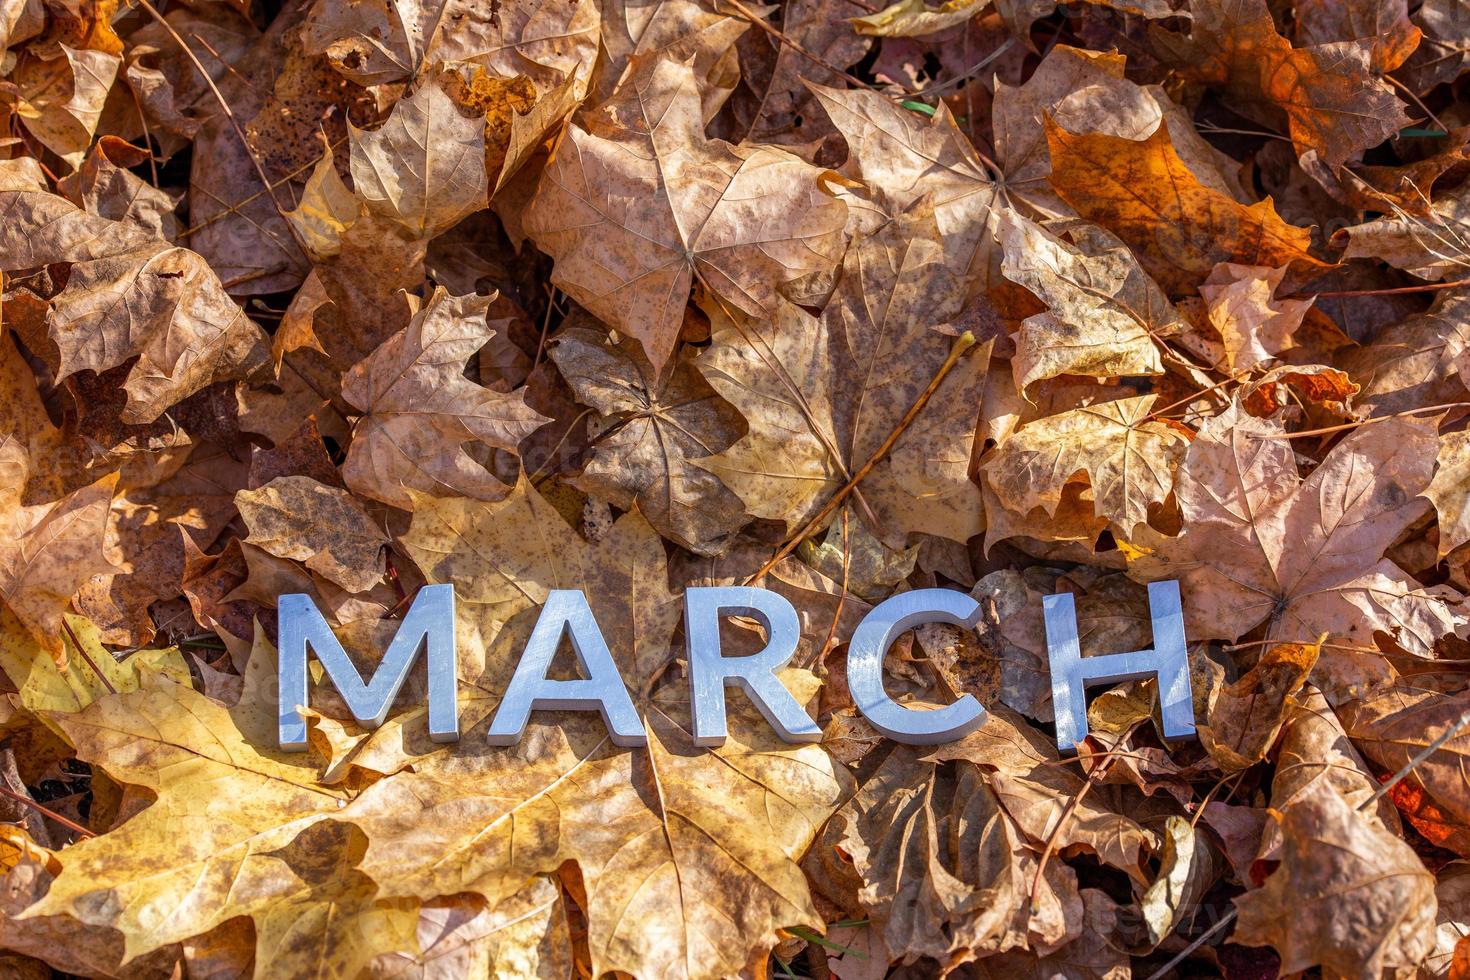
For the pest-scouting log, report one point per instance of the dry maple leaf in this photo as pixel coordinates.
(231, 833)
(321, 526)
(1333, 105)
(1416, 362)
(129, 295)
(654, 426)
(44, 686)
(48, 550)
(1393, 726)
(941, 893)
(1253, 324)
(822, 396)
(62, 98)
(1128, 458)
(1246, 715)
(425, 167)
(1177, 226)
(325, 211)
(676, 30)
(687, 856)
(420, 410)
(104, 186)
(904, 156)
(1443, 51)
(1020, 767)
(639, 202)
(1348, 896)
(1383, 25)
(1086, 92)
(149, 524)
(1261, 544)
(908, 18)
(1432, 246)
(1103, 311)
(1450, 491)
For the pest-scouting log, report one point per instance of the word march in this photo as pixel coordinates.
(429, 625)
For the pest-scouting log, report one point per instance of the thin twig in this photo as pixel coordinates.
(44, 811)
(87, 657)
(1196, 394)
(962, 343)
(1427, 287)
(1328, 430)
(229, 113)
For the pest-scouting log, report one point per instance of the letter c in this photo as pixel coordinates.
(865, 653)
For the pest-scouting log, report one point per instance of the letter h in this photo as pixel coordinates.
(1072, 673)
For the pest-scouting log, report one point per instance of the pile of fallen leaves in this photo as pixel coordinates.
(342, 297)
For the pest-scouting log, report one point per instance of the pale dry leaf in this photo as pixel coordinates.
(420, 411)
(1305, 556)
(1254, 325)
(129, 295)
(323, 527)
(425, 167)
(1126, 455)
(656, 426)
(48, 550)
(1348, 896)
(325, 210)
(63, 98)
(639, 203)
(1103, 310)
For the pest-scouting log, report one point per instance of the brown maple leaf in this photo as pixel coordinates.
(1103, 310)
(654, 426)
(129, 295)
(1305, 556)
(823, 395)
(48, 550)
(1327, 94)
(420, 410)
(904, 156)
(1348, 896)
(1127, 456)
(1177, 226)
(637, 204)
(321, 526)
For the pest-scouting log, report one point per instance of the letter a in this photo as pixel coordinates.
(430, 622)
(566, 610)
(1071, 673)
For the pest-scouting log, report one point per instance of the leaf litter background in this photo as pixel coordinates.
(346, 297)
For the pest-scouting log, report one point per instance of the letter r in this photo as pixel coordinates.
(710, 673)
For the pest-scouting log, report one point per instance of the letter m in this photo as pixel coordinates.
(429, 623)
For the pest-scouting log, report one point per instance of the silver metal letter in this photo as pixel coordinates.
(429, 621)
(1071, 672)
(530, 688)
(865, 667)
(710, 673)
